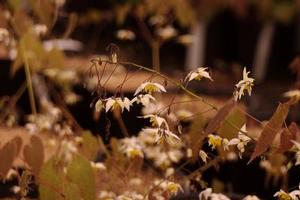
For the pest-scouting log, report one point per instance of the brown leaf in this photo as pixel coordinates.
(7, 156)
(18, 143)
(216, 121)
(34, 154)
(270, 130)
(286, 136)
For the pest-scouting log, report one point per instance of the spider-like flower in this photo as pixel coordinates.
(282, 195)
(157, 121)
(198, 74)
(144, 99)
(113, 103)
(149, 87)
(161, 134)
(241, 141)
(245, 84)
(214, 141)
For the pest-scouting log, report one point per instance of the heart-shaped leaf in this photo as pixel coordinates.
(34, 154)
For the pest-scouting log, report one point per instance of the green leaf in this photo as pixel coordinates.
(270, 130)
(72, 192)
(34, 154)
(90, 145)
(81, 173)
(51, 181)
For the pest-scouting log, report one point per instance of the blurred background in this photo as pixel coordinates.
(171, 36)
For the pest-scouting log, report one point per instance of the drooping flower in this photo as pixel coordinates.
(144, 99)
(214, 141)
(149, 87)
(198, 74)
(241, 141)
(157, 121)
(203, 156)
(245, 84)
(161, 134)
(113, 103)
(99, 105)
(292, 94)
(207, 194)
(282, 195)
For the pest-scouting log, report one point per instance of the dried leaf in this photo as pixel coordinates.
(18, 142)
(237, 118)
(34, 154)
(216, 121)
(270, 130)
(7, 155)
(50, 181)
(286, 136)
(195, 134)
(81, 173)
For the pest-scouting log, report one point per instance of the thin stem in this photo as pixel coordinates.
(28, 79)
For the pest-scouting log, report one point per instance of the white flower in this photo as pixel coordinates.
(203, 156)
(251, 197)
(204, 195)
(157, 20)
(144, 99)
(157, 121)
(241, 141)
(293, 94)
(99, 105)
(40, 29)
(297, 155)
(131, 147)
(16, 189)
(149, 87)
(207, 194)
(282, 195)
(167, 32)
(189, 153)
(198, 74)
(112, 103)
(245, 84)
(161, 134)
(124, 34)
(98, 166)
